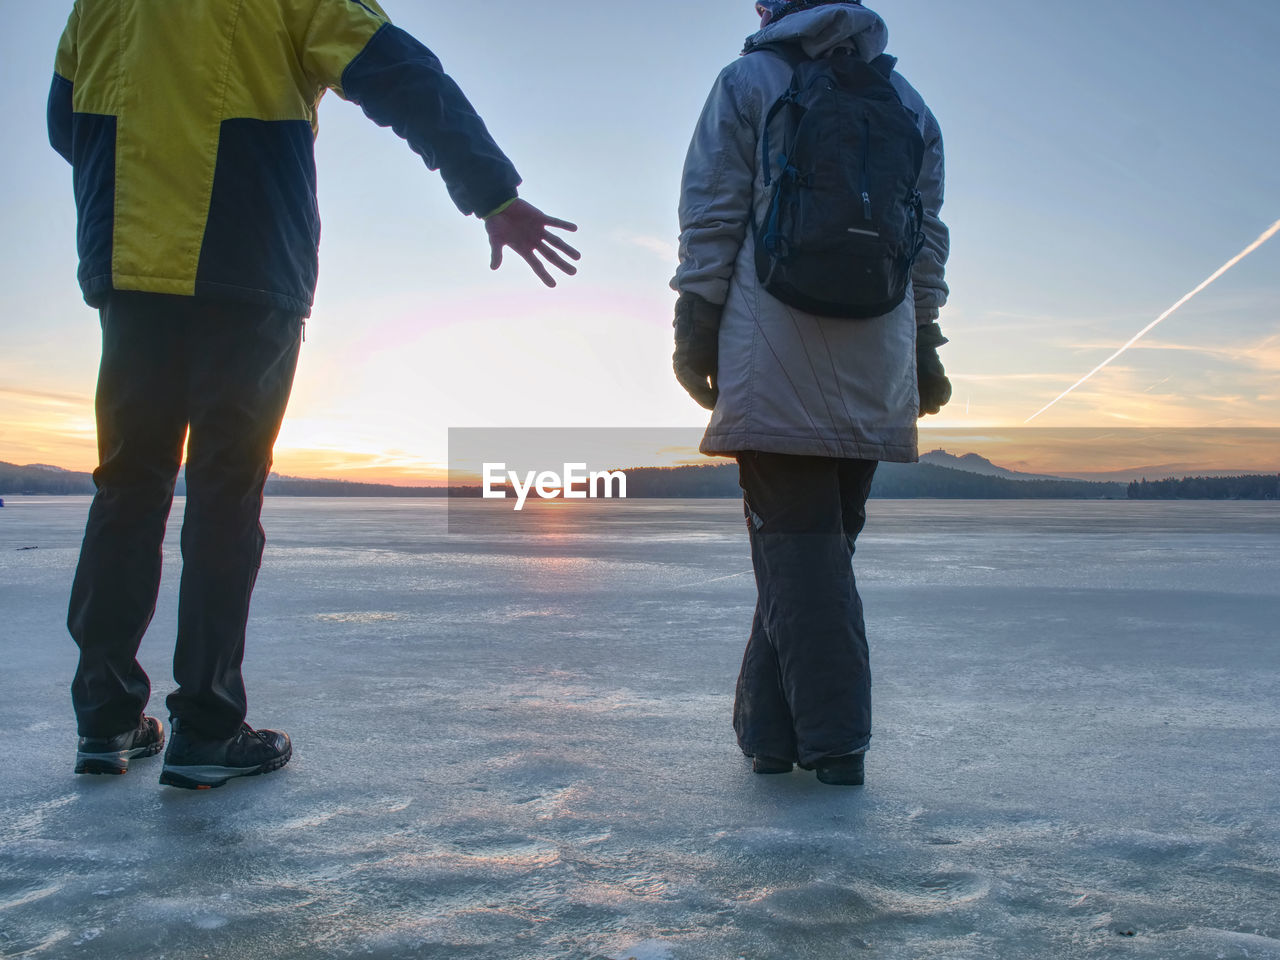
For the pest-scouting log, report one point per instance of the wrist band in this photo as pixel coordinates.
(502, 209)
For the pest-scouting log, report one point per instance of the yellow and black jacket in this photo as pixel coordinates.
(190, 127)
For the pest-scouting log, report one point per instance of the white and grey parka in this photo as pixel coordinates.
(791, 382)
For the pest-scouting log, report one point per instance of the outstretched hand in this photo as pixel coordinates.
(525, 229)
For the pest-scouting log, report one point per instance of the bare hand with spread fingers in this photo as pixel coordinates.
(526, 230)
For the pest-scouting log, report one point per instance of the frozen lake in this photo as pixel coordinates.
(519, 746)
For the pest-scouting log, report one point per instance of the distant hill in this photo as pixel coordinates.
(973, 463)
(38, 479)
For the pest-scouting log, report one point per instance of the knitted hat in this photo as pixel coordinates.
(780, 8)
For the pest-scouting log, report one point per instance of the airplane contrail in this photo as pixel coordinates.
(1267, 235)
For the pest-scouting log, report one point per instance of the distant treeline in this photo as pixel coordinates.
(910, 481)
(894, 481)
(291, 487)
(43, 481)
(716, 481)
(50, 481)
(1264, 487)
(905, 481)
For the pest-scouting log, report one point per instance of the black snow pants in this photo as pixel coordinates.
(804, 692)
(224, 371)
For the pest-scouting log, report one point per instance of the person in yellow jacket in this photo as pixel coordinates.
(190, 129)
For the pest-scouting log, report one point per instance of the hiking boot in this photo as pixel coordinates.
(194, 762)
(846, 771)
(770, 765)
(112, 754)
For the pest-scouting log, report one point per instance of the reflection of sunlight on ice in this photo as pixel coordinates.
(316, 818)
(557, 804)
(563, 693)
(555, 520)
(34, 818)
(312, 820)
(620, 892)
(482, 860)
(926, 893)
(516, 855)
(359, 617)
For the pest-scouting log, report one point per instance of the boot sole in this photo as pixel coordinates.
(114, 764)
(212, 777)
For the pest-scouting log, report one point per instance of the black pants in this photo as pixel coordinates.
(804, 692)
(168, 364)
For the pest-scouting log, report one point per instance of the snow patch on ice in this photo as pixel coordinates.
(645, 950)
(52, 940)
(194, 913)
(93, 933)
(29, 897)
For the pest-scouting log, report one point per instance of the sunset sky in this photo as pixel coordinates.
(1103, 159)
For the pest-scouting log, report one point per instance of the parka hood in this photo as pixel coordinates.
(823, 29)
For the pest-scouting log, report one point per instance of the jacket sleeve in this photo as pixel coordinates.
(64, 70)
(928, 276)
(716, 193)
(352, 48)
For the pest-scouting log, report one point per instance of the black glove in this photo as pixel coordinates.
(697, 353)
(935, 388)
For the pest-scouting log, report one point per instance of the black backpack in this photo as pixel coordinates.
(845, 222)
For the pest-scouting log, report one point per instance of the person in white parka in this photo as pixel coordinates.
(807, 404)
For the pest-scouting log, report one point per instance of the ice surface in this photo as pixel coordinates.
(519, 747)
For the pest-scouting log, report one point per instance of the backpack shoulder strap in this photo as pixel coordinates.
(793, 55)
